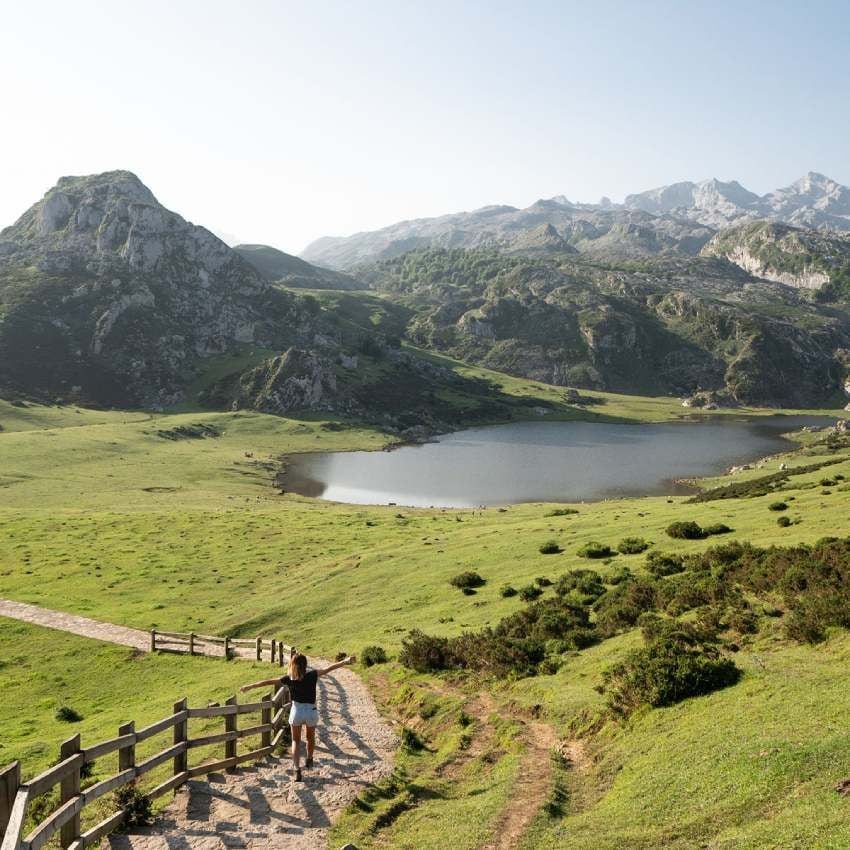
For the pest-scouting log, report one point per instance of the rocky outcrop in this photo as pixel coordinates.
(112, 295)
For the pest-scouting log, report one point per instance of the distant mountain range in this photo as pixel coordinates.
(672, 220)
(107, 297)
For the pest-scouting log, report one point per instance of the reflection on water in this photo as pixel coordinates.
(540, 462)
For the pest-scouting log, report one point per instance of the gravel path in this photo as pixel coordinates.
(260, 806)
(74, 624)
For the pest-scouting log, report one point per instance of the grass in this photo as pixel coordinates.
(100, 516)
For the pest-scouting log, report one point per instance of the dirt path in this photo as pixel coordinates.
(258, 807)
(75, 624)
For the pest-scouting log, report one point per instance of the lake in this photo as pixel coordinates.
(541, 462)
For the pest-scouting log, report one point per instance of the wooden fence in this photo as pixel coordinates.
(189, 643)
(15, 796)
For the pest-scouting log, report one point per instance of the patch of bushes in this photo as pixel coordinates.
(468, 579)
(137, 807)
(550, 547)
(410, 740)
(542, 581)
(372, 655)
(632, 546)
(562, 512)
(677, 662)
(594, 549)
(530, 592)
(664, 563)
(619, 575)
(777, 506)
(717, 528)
(621, 606)
(507, 590)
(783, 521)
(686, 530)
(585, 584)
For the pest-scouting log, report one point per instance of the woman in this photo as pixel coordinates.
(302, 690)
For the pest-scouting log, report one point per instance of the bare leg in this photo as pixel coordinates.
(311, 743)
(296, 746)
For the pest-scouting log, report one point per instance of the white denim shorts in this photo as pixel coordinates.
(303, 714)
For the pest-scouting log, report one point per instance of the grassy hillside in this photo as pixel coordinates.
(171, 520)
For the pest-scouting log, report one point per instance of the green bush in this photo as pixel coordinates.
(717, 528)
(632, 546)
(562, 512)
(550, 547)
(468, 579)
(372, 655)
(530, 592)
(675, 664)
(619, 608)
(784, 521)
(136, 805)
(664, 563)
(619, 575)
(507, 590)
(777, 506)
(595, 550)
(686, 530)
(587, 584)
(67, 714)
(410, 740)
(542, 581)
(425, 653)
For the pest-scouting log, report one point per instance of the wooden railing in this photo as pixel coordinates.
(15, 796)
(190, 643)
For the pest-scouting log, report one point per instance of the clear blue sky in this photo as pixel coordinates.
(281, 122)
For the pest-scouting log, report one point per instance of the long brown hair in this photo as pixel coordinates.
(297, 666)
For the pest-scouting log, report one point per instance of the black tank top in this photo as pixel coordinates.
(304, 689)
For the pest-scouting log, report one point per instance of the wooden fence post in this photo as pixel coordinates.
(10, 780)
(127, 755)
(69, 788)
(274, 646)
(153, 640)
(259, 649)
(230, 726)
(191, 643)
(181, 734)
(266, 717)
(280, 652)
(226, 648)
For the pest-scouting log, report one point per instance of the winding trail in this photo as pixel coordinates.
(258, 807)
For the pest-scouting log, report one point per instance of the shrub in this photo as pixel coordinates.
(777, 506)
(410, 740)
(507, 590)
(619, 575)
(674, 665)
(135, 804)
(595, 550)
(664, 563)
(686, 530)
(468, 591)
(67, 714)
(621, 606)
(372, 655)
(587, 584)
(425, 653)
(827, 482)
(529, 593)
(784, 521)
(632, 546)
(717, 528)
(542, 581)
(562, 512)
(550, 547)
(468, 579)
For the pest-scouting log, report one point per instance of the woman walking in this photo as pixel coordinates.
(302, 690)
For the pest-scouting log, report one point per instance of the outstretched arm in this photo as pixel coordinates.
(263, 684)
(344, 663)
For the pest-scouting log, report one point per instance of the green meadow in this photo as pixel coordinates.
(107, 514)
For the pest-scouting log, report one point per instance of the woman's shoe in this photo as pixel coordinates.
(298, 777)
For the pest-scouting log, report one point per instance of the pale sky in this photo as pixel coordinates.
(280, 122)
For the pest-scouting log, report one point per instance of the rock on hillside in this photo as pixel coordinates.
(107, 296)
(277, 266)
(800, 257)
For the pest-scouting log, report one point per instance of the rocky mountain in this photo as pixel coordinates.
(276, 266)
(800, 257)
(674, 325)
(105, 295)
(671, 220)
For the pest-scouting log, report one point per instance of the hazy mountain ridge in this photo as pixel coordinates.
(676, 219)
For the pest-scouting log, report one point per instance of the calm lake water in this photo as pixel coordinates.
(541, 462)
